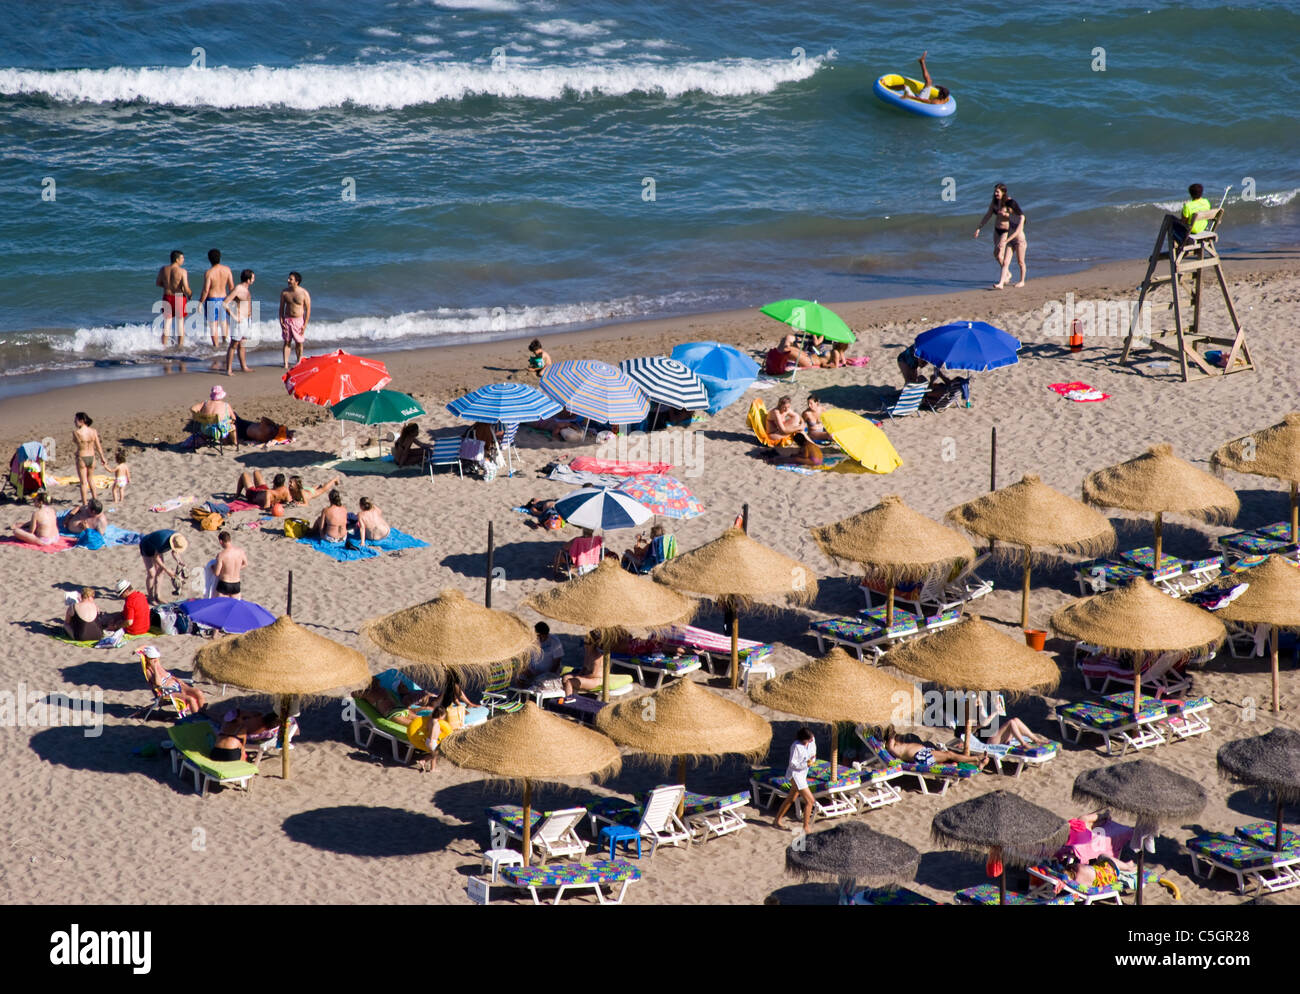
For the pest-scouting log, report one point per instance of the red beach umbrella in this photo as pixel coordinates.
(328, 379)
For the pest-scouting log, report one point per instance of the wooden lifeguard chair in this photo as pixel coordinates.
(1193, 256)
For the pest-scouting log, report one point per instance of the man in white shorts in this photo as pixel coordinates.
(239, 305)
(803, 752)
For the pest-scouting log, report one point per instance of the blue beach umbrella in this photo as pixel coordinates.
(504, 403)
(601, 509)
(972, 346)
(667, 381)
(228, 614)
(725, 371)
(596, 391)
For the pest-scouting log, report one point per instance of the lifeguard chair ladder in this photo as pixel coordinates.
(1194, 256)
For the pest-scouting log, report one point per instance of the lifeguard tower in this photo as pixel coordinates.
(1192, 256)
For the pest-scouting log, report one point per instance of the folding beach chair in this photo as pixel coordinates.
(445, 452)
(757, 419)
(909, 400)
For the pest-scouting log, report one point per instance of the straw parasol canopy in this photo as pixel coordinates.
(1272, 597)
(284, 660)
(1017, 831)
(452, 631)
(1268, 762)
(735, 571)
(1273, 452)
(850, 852)
(528, 745)
(684, 719)
(894, 543)
(1159, 481)
(837, 688)
(611, 600)
(1149, 792)
(1033, 515)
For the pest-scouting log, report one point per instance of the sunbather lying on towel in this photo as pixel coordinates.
(398, 706)
(562, 428)
(545, 514)
(262, 430)
(926, 754)
(808, 453)
(88, 515)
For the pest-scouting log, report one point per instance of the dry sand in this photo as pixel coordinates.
(85, 816)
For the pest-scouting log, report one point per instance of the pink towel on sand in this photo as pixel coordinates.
(241, 505)
(1067, 388)
(60, 544)
(590, 464)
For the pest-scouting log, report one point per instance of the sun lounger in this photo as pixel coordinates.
(709, 816)
(935, 595)
(1264, 835)
(614, 874)
(833, 797)
(1266, 870)
(1098, 575)
(1015, 754)
(986, 894)
(943, 775)
(657, 665)
(713, 649)
(1183, 718)
(1163, 675)
(553, 835)
(191, 744)
(1239, 545)
(368, 722)
(1048, 878)
(891, 897)
(1111, 723)
(866, 631)
(656, 818)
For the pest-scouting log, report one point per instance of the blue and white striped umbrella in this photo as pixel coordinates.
(667, 381)
(507, 403)
(595, 390)
(601, 509)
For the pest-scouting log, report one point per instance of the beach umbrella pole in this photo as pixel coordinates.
(993, 468)
(284, 737)
(1024, 593)
(491, 557)
(1277, 830)
(735, 649)
(604, 687)
(1295, 515)
(681, 779)
(1159, 522)
(288, 597)
(970, 722)
(889, 607)
(744, 518)
(835, 749)
(528, 823)
(1142, 856)
(1272, 642)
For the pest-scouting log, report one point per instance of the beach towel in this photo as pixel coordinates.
(583, 478)
(829, 462)
(172, 504)
(859, 360)
(1080, 393)
(100, 481)
(60, 544)
(238, 505)
(591, 464)
(109, 641)
(373, 467)
(350, 551)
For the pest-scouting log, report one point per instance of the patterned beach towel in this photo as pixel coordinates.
(1080, 393)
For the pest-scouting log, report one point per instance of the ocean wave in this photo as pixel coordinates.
(1279, 199)
(391, 85)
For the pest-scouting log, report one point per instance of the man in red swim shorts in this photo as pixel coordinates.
(295, 313)
(175, 283)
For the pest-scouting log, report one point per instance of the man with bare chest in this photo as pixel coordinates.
(295, 313)
(217, 282)
(175, 283)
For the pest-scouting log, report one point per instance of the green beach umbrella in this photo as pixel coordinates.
(810, 317)
(376, 407)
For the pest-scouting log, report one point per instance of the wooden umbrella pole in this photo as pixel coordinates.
(993, 468)
(735, 649)
(744, 518)
(1159, 522)
(1002, 884)
(1295, 515)
(491, 561)
(681, 779)
(528, 823)
(835, 748)
(889, 607)
(1024, 593)
(1142, 855)
(970, 721)
(288, 597)
(1272, 642)
(284, 737)
(1137, 685)
(604, 687)
(1278, 835)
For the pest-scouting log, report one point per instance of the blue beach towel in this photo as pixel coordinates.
(349, 551)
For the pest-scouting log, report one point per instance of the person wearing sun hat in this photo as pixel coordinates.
(134, 616)
(216, 411)
(164, 683)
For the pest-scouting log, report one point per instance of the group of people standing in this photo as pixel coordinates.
(227, 307)
(1008, 234)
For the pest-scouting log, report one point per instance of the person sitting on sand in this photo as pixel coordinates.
(42, 528)
(812, 420)
(928, 93)
(793, 357)
(82, 621)
(839, 357)
(302, 495)
(134, 616)
(543, 668)
(923, 754)
(164, 683)
(809, 453)
(370, 522)
(89, 515)
(538, 357)
(782, 420)
(332, 523)
(592, 674)
(408, 450)
(254, 487)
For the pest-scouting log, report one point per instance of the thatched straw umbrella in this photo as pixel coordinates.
(1138, 618)
(283, 660)
(612, 600)
(971, 656)
(1159, 481)
(1268, 762)
(850, 852)
(1273, 598)
(734, 571)
(528, 745)
(1273, 452)
(1032, 515)
(451, 631)
(1015, 830)
(1153, 795)
(686, 720)
(837, 688)
(894, 543)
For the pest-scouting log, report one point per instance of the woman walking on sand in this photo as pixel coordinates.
(803, 752)
(86, 439)
(1008, 234)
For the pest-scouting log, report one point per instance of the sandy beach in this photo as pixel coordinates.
(88, 815)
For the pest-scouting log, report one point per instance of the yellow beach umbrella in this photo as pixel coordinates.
(861, 440)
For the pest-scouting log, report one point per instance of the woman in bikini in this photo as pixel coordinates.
(88, 446)
(1014, 218)
(370, 523)
(1005, 209)
(408, 450)
(280, 491)
(164, 682)
(231, 739)
(926, 755)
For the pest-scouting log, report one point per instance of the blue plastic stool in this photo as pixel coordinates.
(624, 834)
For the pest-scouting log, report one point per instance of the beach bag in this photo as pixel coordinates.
(166, 620)
(91, 538)
(206, 518)
(296, 528)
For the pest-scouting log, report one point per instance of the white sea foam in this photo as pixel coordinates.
(389, 85)
(1278, 199)
(572, 29)
(489, 5)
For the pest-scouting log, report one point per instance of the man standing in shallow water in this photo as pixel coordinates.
(217, 283)
(175, 283)
(295, 313)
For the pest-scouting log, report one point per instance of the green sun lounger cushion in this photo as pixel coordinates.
(194, 739)
(393, 728)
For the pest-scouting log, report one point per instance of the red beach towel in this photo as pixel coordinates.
(1064, 388)
(591, 464)
(60, 544)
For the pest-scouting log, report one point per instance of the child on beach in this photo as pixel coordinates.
(538, 358)
(121, 476)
